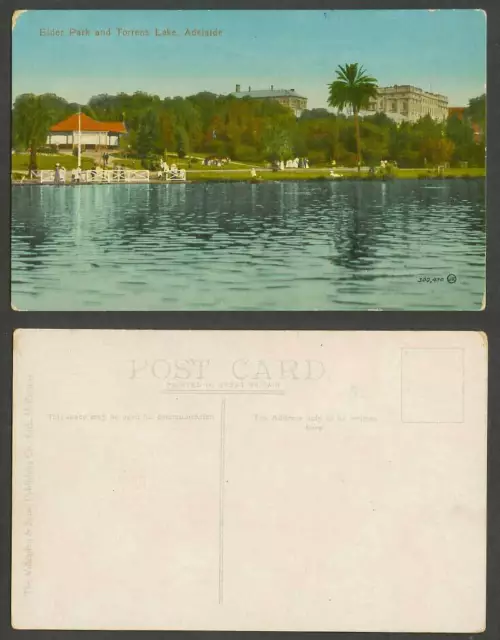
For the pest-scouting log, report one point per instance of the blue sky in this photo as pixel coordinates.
(443, 51)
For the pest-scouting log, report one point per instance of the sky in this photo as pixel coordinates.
(443, 51)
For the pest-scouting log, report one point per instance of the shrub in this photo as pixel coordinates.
(245, 153)
(152, 163)
(216, 147)
(317, 157)
(347, 159)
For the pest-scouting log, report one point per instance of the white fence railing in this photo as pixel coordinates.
(49, 175)
(172, 175)
(93, 175)
(139, 175)
(111, 175)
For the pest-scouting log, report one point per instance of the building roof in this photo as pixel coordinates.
(88, 124)
(268, 93)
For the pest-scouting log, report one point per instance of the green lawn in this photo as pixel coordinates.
(416, 173)
(20, 161)
(198, 175)
(220, 174)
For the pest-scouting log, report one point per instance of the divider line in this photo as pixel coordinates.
(221, 498)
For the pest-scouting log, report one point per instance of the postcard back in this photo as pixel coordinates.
(249, 480)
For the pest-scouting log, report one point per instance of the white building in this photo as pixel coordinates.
(407, 103)
(93, 133)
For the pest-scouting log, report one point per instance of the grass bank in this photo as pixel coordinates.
(196, 175)
(448, 173)
(238, 171)
(239, 174)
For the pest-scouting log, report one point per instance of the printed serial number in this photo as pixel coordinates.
(430, 280)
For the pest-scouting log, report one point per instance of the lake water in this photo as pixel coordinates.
(406, 244)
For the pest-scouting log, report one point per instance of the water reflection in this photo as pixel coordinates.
(277, 245)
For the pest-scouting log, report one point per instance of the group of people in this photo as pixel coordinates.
(385, 165)
(215, 162)
(171, 173)
(77, 175)
(297, 163)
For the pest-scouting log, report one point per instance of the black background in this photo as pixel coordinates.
(487, 320)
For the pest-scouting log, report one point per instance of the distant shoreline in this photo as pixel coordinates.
(268, 178)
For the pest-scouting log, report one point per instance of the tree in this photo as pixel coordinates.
(255, 130)
(147, 134)
(381, 120)
(403, 145)
(167, 130)
(277, 143)
(125, 143)
(31, 121)
(299, 143)
(352, 88)
(437, 150)
(476, 111)
(376, 142)
(461, 133)
(309, 114)
(58, 107)
(181, 142)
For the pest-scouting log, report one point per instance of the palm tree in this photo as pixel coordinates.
(31, 120)
(353, 88)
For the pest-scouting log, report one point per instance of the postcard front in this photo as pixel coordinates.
(330, 481)
(248, 160)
